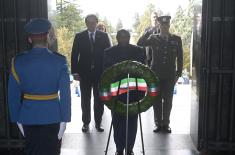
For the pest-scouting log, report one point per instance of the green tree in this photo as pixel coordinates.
(143, 20)
(110, 29)
(119, 25)
(70, 18)
(65, 41)
(137, 21)
(182, 25)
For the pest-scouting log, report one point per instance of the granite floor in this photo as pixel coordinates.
(179, 142)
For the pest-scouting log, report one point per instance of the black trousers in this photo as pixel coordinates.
(42, 139)
(119, 128)
(162, 108)
(85, 86)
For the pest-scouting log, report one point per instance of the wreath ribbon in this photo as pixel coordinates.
(108, 86)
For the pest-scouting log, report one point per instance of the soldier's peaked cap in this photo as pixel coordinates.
(164, 19)
(38, 26)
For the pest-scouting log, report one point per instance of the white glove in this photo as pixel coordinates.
(20, 126)
(62, 130)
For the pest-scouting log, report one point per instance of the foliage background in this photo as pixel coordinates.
(68, 20)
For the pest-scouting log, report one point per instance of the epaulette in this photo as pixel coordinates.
(56, 53)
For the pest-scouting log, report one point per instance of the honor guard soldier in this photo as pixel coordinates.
(39, 92)
(167, 63)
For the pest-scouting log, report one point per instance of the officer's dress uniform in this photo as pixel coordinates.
(112, 56)
(167, 64)
(39, 98)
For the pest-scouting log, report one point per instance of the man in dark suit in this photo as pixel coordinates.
(167, 64)
(86, 65)
(121, 52)
(153, 29)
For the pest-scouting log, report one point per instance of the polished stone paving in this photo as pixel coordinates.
(179, 142)
(94, 143)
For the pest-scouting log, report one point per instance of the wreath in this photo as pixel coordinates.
(120, 71)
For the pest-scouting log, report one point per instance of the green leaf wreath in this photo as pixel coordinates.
(120, 71)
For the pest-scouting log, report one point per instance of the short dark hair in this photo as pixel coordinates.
(91, 16)
(154, 14)
(43, 42)
(123, 31)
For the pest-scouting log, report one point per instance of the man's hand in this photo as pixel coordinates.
(76, 77)
(20, 126)
(176, 79)
(62, 130)
(177, 76)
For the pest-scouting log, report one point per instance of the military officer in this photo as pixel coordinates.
(39, 92)
(167, 64)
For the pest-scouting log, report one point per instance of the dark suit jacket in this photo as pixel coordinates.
(118, 54)
(82, 56)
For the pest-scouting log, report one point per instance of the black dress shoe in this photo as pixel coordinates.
(130, 153)
(167, 129)
(99, 128)
(118, 153)
(157, 129)
(85, 128)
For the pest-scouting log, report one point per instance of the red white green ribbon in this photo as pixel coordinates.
(105, 95)
(153, 90)
(142, 86)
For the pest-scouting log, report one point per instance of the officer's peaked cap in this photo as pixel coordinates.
(164, 19)
(38, 26)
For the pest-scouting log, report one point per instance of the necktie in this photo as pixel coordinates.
(92, 40)
(92, 49)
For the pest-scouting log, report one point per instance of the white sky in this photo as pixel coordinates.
(126, 9)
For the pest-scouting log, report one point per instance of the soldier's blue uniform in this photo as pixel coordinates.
(39, 91)
(40, 72)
